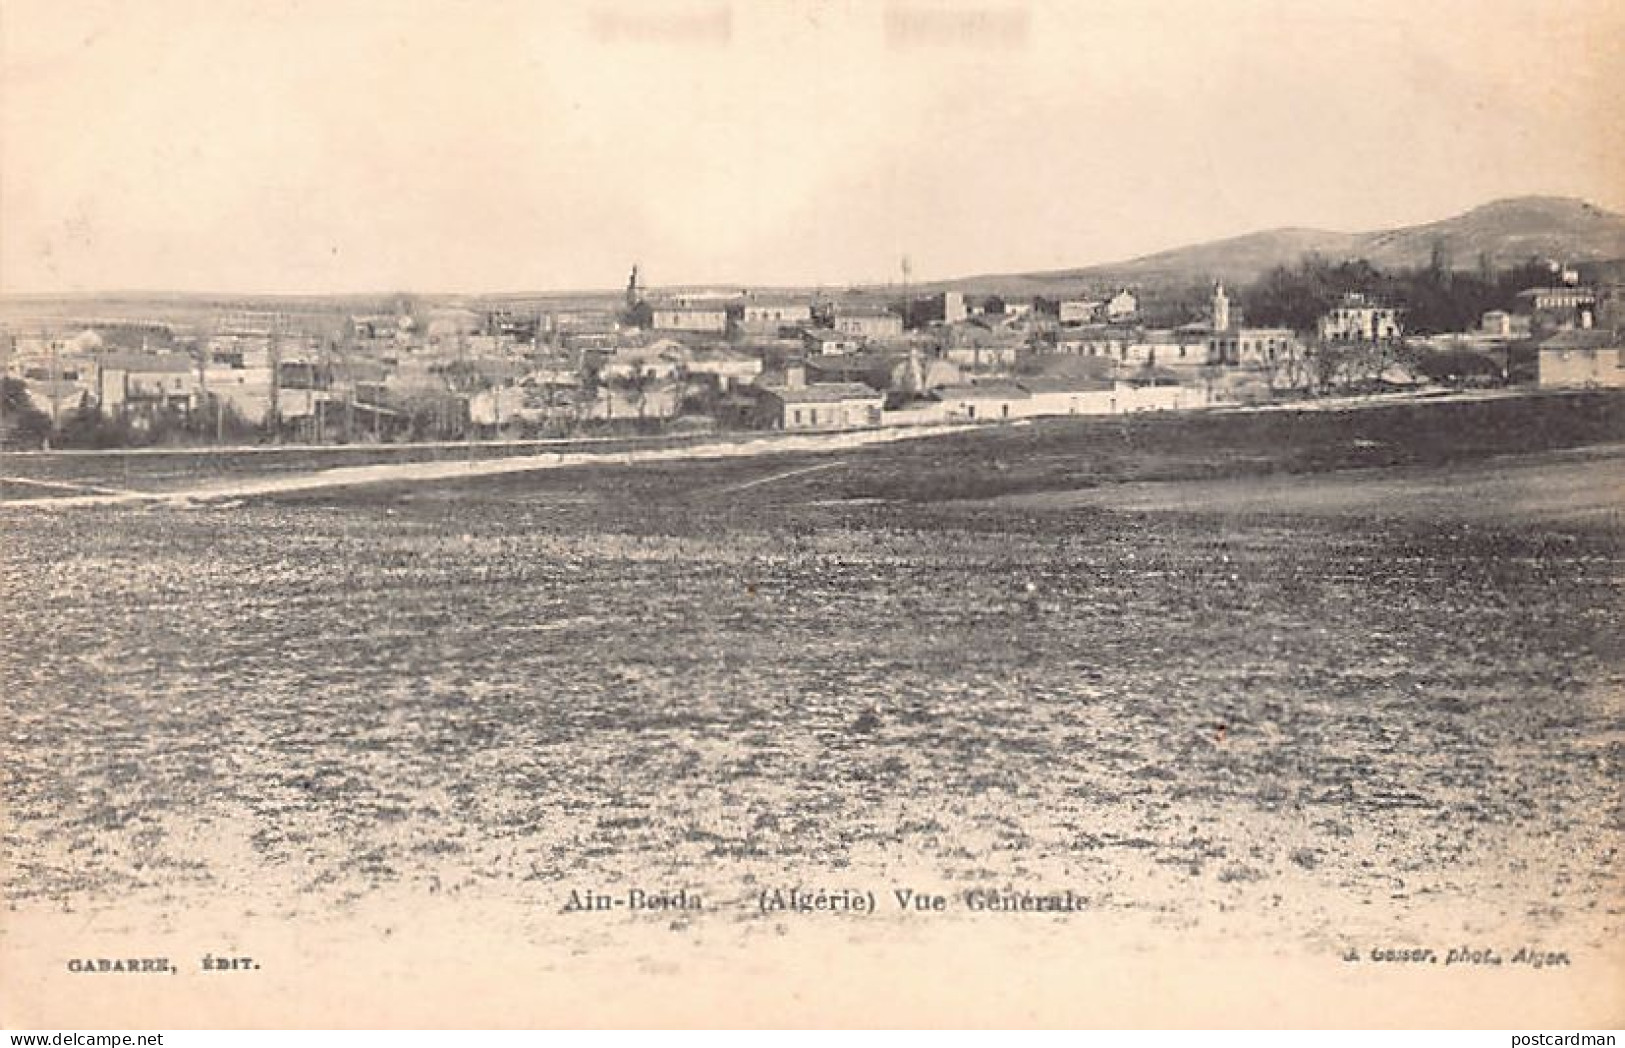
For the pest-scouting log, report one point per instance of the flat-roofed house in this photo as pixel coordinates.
(711, 319)
(1582, 359)
(870, 368)
(725, 367)
(1094, 341)
(1069, 396)
(986, 401)
(767, 316)
(1498, 323)
(1251, 347)
(662, 359)
(983, 342)
(1537, 299)
(868, 322)
(1559, 307)
(1166, 347)
(1079, 310)
(583, 321)
(827, 342)
(823, 405)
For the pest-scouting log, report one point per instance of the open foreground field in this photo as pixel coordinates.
(1252, 708)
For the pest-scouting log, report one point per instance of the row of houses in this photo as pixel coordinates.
(772, 316)
(794, 404)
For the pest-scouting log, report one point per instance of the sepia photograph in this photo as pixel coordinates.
(812, 514)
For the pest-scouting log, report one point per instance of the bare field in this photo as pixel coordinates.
(1374, 724)
(1579, 486)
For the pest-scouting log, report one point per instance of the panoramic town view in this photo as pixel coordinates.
(1178, 614)
(198, 372)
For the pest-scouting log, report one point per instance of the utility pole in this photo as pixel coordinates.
(275, 415)
(907, 270)
(56, 383)
(194, 420)
(469, 385)
(349, 397)
(316, 387)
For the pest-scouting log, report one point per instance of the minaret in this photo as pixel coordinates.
(1221, 308)
(633, 292)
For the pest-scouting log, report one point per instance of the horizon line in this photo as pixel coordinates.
(859, 285)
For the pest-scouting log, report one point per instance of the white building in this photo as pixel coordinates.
(1079, 311)
(766, 315)
(824, 342)
(1252, 347)
(1582, 359)
(868, 322)
(1165, 348)
(1122, 306)
(1544, 299)
(821, 406)
(708, 319)
(146, 380)
(985, 401)
(726, 369)
(1358, 319)
(498, 406)
(1498, 323)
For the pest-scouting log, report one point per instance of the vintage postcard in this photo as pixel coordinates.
(903, 513)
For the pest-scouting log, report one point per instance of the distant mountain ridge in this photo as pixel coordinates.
(1503, 232)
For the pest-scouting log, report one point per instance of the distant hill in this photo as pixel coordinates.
(1506, 232)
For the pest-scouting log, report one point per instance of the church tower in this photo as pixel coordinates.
(1221, 308)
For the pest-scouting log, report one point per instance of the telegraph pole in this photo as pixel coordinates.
(466, 380)
(315, 384)
(194, 414)
(349, 395)
(56, 383)
(907, 268)
(276, 378)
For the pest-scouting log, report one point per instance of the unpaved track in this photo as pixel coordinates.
(395, 472)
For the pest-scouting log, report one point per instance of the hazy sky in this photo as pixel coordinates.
(486, 145)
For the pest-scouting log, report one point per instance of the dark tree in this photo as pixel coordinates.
(1459, 365)
(21, 423)
(638, 315)
(1434, 298)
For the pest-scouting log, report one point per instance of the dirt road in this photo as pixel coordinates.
(379, 473)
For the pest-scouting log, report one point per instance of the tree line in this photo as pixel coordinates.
(1435, 298)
